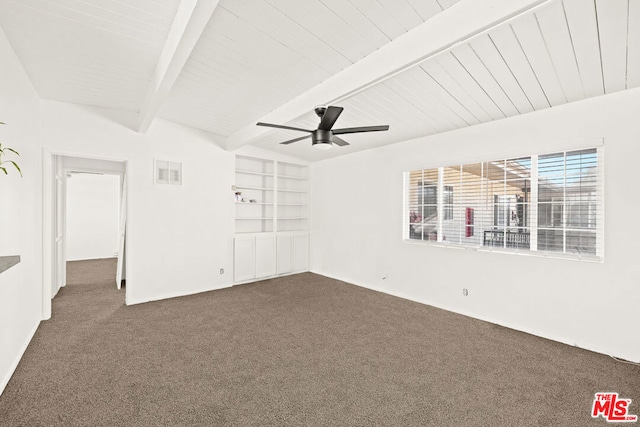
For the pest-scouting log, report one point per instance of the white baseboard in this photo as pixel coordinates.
(176, 294)
(628, 357)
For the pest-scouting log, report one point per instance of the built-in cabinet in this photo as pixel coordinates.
(271, 222)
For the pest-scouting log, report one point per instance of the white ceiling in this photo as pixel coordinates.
(421, 66)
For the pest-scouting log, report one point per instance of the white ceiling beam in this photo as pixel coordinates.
(463, 21)
(191, 19)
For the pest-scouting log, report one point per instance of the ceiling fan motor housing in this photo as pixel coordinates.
(320, 136)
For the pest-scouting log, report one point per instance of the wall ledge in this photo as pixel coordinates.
(6, 262)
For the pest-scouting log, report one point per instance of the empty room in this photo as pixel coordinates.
(319, 213)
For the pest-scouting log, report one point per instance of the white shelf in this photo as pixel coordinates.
(280, 190)
(292, 191)
(248, 172)
(238, 187)
(301, 178)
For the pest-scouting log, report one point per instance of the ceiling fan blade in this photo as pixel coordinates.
(360, 129)
(329, 118)
(282, 127)
(296, 139)
(339, 141)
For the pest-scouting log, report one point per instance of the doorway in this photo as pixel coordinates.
(85, 199)
(92, 223)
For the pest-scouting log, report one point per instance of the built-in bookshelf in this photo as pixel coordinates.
(292, 197)
(270, 196)
(254, 195)
(271, 222)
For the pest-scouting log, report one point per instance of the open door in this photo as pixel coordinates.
(59, 198)
(123, 228)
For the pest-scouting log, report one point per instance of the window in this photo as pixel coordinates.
(550, 203)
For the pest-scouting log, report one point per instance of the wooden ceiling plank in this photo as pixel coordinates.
(633, 45)
(533, 44)
(325, 25)
(470, 86)
(359, 22)
(519, 65)
(379, 17)
(583, 27)
(399, 109)
(447, 3)
(612, 23)
(127, 19)
(409, 85)
(101, 19)
(457, 24)
(493, 61)
(553, 24)
(431, 79)
(414, 80)
(468, 59)
(259, 51)
(160, 16)
(191, 19)
(439, 123)
(279, 28)
(402, 12)
(426, 8)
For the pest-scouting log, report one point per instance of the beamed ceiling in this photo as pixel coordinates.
(421, 66)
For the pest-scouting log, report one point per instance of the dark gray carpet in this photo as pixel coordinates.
(302, 350)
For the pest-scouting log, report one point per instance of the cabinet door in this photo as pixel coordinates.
(301, 252)
(285, 254)
(244, 259)
(265, 256)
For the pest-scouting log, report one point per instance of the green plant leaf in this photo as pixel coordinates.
(4, 170)
(12, 150)
(16, 165)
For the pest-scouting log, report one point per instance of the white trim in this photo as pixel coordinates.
(190, 21)
(47, 215)
(597, 144)
(562, 340)
(178, 294)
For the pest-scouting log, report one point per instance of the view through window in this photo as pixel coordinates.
(549, 203)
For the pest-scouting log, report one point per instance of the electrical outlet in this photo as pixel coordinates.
(465, 292)
(222, 271)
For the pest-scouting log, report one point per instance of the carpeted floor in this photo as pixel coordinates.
(301, 350)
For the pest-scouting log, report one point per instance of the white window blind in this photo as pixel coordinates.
(545, 203)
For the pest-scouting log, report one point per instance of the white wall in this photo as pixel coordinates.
(178, 237)
(93, 216)
(20, 211)
(357, 221)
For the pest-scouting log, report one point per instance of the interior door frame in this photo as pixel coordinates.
(49, 258)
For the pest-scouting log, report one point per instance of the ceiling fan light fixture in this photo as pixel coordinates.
(321, 145)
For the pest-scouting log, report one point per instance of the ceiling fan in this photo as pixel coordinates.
(324, 136)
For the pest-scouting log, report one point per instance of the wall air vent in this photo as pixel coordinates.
(168, 172)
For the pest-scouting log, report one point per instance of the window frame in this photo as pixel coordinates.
(532, 214)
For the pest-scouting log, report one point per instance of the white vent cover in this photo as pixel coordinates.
(168, 172)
